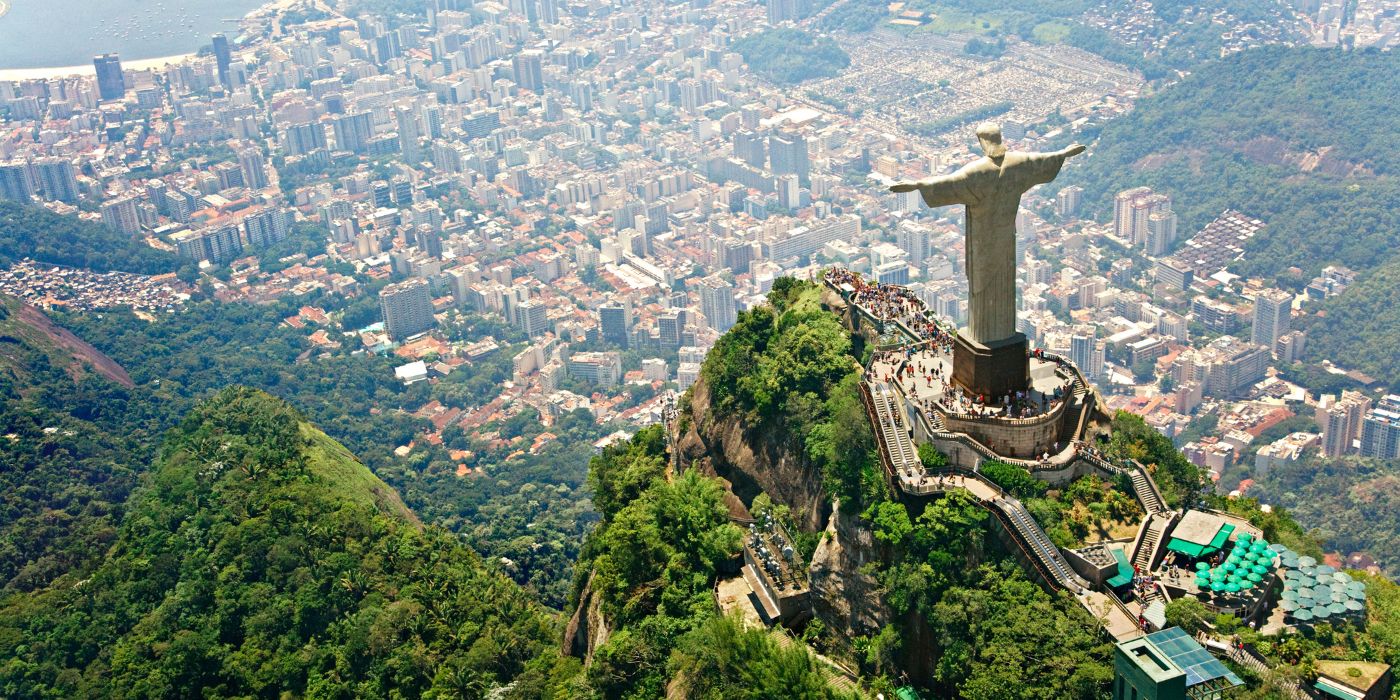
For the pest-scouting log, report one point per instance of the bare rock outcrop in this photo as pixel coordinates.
(845, 599)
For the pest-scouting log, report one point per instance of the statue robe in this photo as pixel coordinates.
(992, 195)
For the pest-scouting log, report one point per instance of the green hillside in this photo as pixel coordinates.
(34, 232)
(69, 465)
(1301, 138)
(261, 559)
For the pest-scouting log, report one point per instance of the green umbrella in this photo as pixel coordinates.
(1246, 585)
(1262, 544)
(1355, 605)
(1202, 566)
(1290, 594)
(1217, 586)
(1244, 537)
(1232, 587)
(1228, 566)
(1288, 605)
(1260, 569)
(1305, 594)
(1255, 576)
(1302, 615)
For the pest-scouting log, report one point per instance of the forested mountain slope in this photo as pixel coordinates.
(1301, 138)
(262, 559)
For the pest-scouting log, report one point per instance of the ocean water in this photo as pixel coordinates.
(44, 33)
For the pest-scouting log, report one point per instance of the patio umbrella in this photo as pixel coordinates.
(1228, 566)
(1279, 548)
(1307, 562)
(1261, 569)
(1246, 584)
(1202, 566)
(1354, 606)
(1261, 544)
(1326, 570)
(1305, 594)
(1341, 577)
(1289, 594)
(1303, 615)
(1232, 587)
(1217, 586)
(1321, 612)
(1255, 576)
(1288, 605)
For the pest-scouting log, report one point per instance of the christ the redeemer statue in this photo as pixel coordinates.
(991, 188)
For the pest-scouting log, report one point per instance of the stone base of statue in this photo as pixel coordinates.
(991, 370)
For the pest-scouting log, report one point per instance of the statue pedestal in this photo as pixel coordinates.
(991, 370)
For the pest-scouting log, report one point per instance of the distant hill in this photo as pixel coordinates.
(34, 232)
(262, 559)
(1301, 138)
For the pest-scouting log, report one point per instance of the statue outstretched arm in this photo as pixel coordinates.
(938, 191)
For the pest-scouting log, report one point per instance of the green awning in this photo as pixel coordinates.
(906, 693)
(1337, 690)
(1220, 537)
(1125, 570)
(1190, 549)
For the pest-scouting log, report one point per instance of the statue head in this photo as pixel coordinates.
(989, 135)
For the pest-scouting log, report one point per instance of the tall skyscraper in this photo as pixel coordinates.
(407, 308)
(353, 131)
(788, 152)
(14, 182)
(1081, 350)
(1161, 232)
(1380, 430)
(1123, 211)
(267, 227)
(530, 317)
(1067, 201)
(717, 303)
(782, 11)
(223, 57)
(615, 323)
(110, 83)
(1272, 316)
(789, 192)
(528, 66)
(251, 162)
(303, 138)
(408, 134)
(57, 179)
(121, 215)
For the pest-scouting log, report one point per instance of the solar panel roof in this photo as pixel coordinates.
(1191, 657)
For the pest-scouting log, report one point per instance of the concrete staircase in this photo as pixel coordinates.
(1146, 491)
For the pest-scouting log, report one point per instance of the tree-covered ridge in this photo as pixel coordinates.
(788, 368)
(34, 232)
(788, 56)
(261, 559)
(1181, 482)
(68, 463)
(1298, 137)
(531, 510)
(1352, 504)
(993, 632)
(1364, 318)
(652, 562)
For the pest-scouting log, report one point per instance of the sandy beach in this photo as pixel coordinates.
(87, 69)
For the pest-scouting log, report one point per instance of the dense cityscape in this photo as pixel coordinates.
(576, 201)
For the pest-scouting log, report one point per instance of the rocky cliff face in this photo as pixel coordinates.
(753, 462)
(587, 629)
(845, 599)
